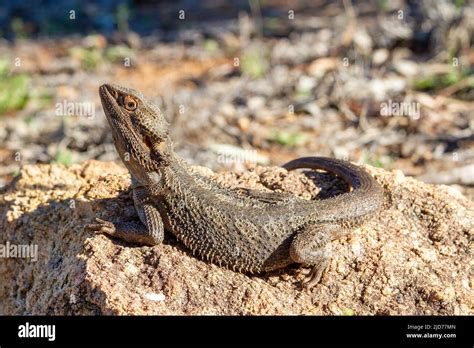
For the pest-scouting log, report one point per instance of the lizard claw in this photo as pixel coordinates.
(315, 274)
(102, 226)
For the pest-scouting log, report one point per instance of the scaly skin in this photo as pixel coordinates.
(251, 231)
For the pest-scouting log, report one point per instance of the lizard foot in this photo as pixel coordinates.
(102, 226)
(315, 274)
(130, 231)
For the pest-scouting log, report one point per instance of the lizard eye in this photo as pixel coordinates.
(130, 104)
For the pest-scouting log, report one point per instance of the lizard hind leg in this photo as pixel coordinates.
(309, 247)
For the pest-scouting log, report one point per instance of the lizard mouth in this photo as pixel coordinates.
(103, 89)
(106, 93)
(117, 119)
(108, 101)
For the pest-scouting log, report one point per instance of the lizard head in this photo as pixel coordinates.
(139, 129)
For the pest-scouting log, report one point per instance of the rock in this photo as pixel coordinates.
(380, 56)
(320, 66)
(406, 67)
(362, 41)
(463, 175)
(382, 88)
(256, 103)
(412, 258)
(306, 83)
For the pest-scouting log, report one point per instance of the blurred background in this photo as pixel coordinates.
(388, 83)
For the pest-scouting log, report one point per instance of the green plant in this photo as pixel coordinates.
(90, 58)
(288, 139)
(15, 172)
(118, 53)
(272, 23)
(123, 15)
(14, 89)
(255, 63)
(64, 157)
(383, 5)
(18, 28)
(439, 81)
(458, 4)
(302, 93)
(211, 46)
(383, 161)
(435, 82)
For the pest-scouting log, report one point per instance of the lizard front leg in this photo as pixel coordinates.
(149, 231)
(309, 248)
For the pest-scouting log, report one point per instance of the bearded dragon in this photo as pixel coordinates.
(250, 232)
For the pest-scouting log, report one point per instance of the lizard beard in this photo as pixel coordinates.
(141, 149)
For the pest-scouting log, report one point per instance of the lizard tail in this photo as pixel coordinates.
(366, 193)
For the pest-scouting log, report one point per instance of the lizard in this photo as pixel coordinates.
(249, 231)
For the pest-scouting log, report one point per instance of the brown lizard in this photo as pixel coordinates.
(250, 232)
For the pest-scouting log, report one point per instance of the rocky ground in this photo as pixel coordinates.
(412, 258)
(256, 87)
(318, 80)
